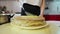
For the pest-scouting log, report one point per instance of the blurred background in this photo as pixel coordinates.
(52, 9)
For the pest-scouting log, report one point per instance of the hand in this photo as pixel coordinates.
(41, 17)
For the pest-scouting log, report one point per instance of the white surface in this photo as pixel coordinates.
(6, 28)
(55, 26)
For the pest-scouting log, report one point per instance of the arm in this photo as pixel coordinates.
(42, 7)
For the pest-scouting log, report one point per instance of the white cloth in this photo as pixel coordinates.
(32, 2)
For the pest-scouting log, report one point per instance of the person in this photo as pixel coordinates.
(34, 7)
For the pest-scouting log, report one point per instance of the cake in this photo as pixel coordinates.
(28, 21)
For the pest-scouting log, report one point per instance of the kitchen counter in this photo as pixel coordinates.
(6, 28)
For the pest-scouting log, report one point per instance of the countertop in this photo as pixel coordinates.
(6, 28)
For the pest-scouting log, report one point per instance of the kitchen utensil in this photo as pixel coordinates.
(5, 18)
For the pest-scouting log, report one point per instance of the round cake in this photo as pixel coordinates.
(28, 21)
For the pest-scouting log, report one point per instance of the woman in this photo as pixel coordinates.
(34, 7)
